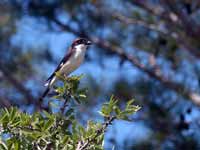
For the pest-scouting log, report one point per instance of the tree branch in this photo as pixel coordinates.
(11, 79)
(188, 23)
(142, 23)
(158, 11)
(181, 41)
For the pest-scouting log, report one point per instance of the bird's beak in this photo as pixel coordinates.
(89, 42)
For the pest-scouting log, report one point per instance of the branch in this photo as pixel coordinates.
(62, 109)
(188, 23)
(194, 97)
(153, 27)
(7, 75)
(82, 145)
(171, 18)
(183, 42)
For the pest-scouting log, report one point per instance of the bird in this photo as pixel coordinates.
(70, 62)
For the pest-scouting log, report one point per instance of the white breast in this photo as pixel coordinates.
(75, 60)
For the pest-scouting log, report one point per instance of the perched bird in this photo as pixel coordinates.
(71, 61)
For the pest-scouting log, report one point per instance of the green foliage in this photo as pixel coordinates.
(112, 109)
(70, 88)
(61, 131)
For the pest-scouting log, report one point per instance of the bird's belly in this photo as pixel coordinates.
(71, 65)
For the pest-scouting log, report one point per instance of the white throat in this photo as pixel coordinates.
(81, 48)
(80, 52)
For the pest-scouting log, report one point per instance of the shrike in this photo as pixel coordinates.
(71, 61)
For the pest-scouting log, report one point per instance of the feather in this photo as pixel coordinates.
(63, 61)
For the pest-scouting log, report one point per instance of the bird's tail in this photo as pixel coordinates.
(48, 84)
(44, 94)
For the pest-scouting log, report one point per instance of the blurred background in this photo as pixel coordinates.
(148, 50)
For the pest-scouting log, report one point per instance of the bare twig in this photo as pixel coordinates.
(158, 11)
(188, 23)
(142, 23)
(175, 19)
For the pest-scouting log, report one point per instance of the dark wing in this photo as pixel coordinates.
(60, 64)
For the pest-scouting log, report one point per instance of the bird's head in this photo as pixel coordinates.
(81, 44)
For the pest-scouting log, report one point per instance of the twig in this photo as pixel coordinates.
(189, 24)
(67, 97)
(142, 23)
(157, 11)
(175, 19)
(82, 145)
(62, 109)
